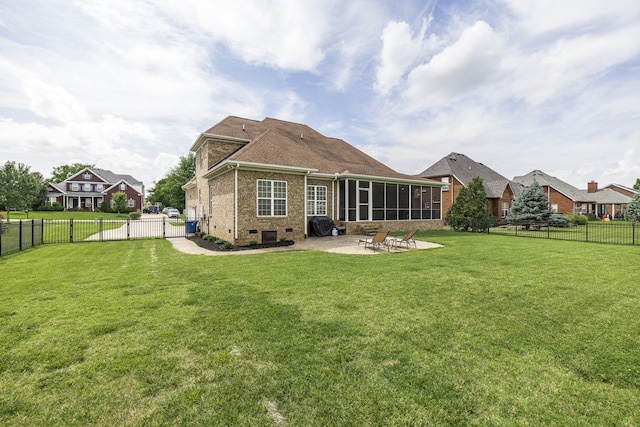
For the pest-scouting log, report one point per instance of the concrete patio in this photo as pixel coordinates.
(343, 244)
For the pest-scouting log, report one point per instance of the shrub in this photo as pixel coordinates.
(592, 216)
(283, 239)
(134, 215)
(227, 245)
(253, 243)
(104, 207)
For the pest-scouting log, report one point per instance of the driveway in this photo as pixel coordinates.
(148, 226)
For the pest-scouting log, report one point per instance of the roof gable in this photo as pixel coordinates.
(464, 169)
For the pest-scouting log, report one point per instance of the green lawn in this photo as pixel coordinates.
(18, 215)
(488, 330)
(614, 232)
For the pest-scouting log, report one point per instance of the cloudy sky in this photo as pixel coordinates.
(515, 84)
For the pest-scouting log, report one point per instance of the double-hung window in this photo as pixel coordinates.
(316, 200)
(272, 198)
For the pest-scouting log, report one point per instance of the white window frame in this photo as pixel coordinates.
(99, 187)
(123, 187)
(131, 203)
(271, 198)
(554, 208)
(505, 209)
(316, 201)
(87, 187)
(74, 186)
(445, 179)
(87, 176)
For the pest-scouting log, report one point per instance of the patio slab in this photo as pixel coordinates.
(343, 244)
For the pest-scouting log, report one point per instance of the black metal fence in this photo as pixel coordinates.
(608, 232)
(18, 235)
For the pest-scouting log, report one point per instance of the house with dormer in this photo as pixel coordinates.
(89, 188)
(263, 181)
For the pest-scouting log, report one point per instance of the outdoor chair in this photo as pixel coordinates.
(407, 240)
(375, 243)
(339, 225)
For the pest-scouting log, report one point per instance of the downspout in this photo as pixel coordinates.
(235, 201)
(306, 211)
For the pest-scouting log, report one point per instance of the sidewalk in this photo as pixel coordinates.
(344, 244)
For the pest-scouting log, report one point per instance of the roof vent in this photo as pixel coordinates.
(301, 136)
(243, 129)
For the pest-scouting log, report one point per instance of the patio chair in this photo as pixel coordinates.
(375, 243)
(407, 239)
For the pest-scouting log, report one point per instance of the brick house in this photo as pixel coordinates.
(457, 170)
(265, 180)
(569, 200)
(89, 188)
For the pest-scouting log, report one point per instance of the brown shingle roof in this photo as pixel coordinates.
(282, 143)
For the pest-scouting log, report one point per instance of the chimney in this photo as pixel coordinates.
(592, 187)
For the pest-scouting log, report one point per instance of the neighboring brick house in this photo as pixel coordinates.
(457, 170)
(265, 180)
(89, 188)
(627, 191)
(569, 200)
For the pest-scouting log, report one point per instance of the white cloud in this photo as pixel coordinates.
(52, 101)
(458, 70)
(544, 16)
(400, 49)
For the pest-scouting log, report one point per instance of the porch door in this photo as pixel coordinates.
(363, 200)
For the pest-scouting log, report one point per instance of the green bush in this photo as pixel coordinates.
(104, 207)
(134, 215)
(592, 217)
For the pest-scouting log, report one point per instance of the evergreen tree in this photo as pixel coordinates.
(469, 210)
(633, 210)
(637, 184)
(532, 205)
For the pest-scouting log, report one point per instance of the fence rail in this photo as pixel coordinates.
(613, 232)
(19, 235)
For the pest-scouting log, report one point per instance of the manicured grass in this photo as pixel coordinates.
(18, 215)
(487, 330)
(615, 232)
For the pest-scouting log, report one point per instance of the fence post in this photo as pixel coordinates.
(33, 232)
(70, 230)
(586, 232)
(164, 234)
(20, 235)
(100, 228)
(633, 232)
(128, 231)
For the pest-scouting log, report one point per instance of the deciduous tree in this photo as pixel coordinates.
(62, 172)
(19, 188)
(119, 202)
(168, 191)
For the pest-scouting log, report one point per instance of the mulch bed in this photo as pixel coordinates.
(213, 246)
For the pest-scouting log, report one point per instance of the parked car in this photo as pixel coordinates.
(153, 209)
(173, 213)
(164, 211)
(557, 220)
